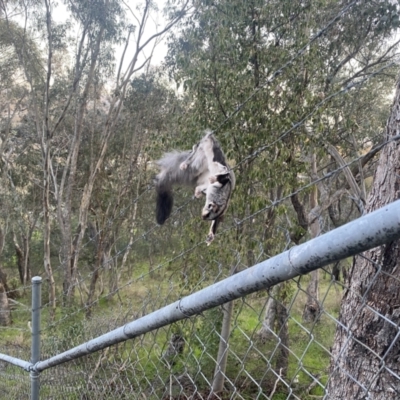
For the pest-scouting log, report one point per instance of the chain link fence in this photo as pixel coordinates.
(183, 327)
(247, 336)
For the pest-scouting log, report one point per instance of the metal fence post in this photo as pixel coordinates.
(35, 347)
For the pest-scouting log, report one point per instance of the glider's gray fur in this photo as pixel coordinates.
(206, 169)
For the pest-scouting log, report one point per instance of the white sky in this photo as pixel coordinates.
(155, 23)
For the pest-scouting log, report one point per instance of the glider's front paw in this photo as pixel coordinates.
(198, 193)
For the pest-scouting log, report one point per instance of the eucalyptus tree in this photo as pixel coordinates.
(282, 83)
(364, 359)
(119, 210)
(77, 67)
(17, 217)
(278, 79)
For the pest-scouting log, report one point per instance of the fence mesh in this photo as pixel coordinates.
(288, 358)
(14, 382)
(273, 344)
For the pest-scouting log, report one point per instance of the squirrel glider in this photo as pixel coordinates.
(204, 168)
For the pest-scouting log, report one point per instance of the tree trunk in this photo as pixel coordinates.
(20, 260)
(98, 240)
(276, 320)
(70, 252)
(312, 309)
(27, 264)
(113, 274)
(336, 272)
(267, 328)
(365, 355)
(47, 231)
(282, 327)
(5, 312)
(23, 262)
(222, 358)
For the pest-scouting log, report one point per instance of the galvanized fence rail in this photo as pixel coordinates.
(377, 228)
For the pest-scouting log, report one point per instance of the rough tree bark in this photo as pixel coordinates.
(365, 355)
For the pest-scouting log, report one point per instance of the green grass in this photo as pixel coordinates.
(139, 362)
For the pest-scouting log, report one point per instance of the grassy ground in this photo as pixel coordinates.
(137, 366)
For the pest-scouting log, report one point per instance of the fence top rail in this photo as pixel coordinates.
(379, 227)
(374, 229)
(27, 366)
